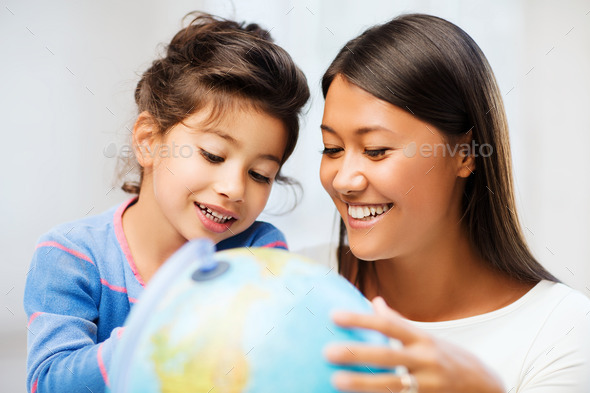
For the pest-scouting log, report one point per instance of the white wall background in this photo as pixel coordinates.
(68, 70)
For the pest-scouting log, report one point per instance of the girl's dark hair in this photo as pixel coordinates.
(222, 63)
(435, 70)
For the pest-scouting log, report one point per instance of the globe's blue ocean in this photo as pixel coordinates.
(243, 320)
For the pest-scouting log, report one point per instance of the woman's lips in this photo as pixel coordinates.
(365, 216)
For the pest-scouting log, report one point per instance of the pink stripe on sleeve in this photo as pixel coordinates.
(68, 250)
(113, 287)
(33, 317)
(118, 221)
(34, 389)
(101, 366)
(277, 244)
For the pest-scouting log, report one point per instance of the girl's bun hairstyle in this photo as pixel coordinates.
(224, 65)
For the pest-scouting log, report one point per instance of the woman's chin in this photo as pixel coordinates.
(364, 252)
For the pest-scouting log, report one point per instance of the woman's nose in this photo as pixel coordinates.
(350, 177)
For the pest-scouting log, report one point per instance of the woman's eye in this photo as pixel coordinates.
(329, 151)
(376, 152)
(259, 178)
(211, 157)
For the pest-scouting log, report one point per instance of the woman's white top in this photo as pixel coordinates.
(538, 344)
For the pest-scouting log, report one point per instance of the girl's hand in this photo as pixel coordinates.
(437, 366)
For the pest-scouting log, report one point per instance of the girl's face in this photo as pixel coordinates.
(214, 180)
(395, 187)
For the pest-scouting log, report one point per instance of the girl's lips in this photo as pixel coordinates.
(211, 225)
(218, 209)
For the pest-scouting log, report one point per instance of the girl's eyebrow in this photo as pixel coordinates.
(222, 134)
(359, 131)
(234, 142)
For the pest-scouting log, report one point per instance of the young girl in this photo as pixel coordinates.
(218, 117)
(417, 162)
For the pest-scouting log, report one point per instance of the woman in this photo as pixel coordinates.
(417, 162)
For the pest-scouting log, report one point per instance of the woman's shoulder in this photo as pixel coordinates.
(560, 346)
(558, 299)
(550, 326)
(549, 308)
(541, 336)
(566, 311)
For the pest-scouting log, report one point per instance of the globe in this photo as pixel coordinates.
(242, 320)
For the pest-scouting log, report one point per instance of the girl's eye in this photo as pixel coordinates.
(330, 151)
(376, 152)
(211, 157)
(259, 178)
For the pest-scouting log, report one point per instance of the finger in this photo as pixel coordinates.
(373, 356)
(363, 382)
(381, 308)
(385, 321)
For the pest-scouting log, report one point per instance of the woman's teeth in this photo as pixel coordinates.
(360, 212)
(213, 215)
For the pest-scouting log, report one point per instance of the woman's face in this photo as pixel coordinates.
(395, 180)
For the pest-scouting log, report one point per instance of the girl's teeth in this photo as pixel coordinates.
(213, 215)
(215, 219)
(360, 212)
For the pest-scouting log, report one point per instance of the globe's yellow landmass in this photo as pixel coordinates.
(271, 261)
(217, 365)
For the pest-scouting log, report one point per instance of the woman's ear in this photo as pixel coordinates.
(466, 157)
(145, 138)
(468, 166)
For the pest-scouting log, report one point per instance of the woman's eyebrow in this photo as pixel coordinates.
(270, 157)
(326, 128)
(359, 131)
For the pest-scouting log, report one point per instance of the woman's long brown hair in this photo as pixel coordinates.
(436, 71)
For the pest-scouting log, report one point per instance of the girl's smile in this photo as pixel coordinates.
(215, 218)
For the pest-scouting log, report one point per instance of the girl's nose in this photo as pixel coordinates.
(231, 185)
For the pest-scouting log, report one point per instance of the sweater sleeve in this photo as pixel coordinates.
(61, 299)
(260, 234)
(270, 236)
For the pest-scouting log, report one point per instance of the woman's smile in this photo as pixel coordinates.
(363, 216)
(371, 190)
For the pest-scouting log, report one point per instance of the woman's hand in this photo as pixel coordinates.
(437, 366)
